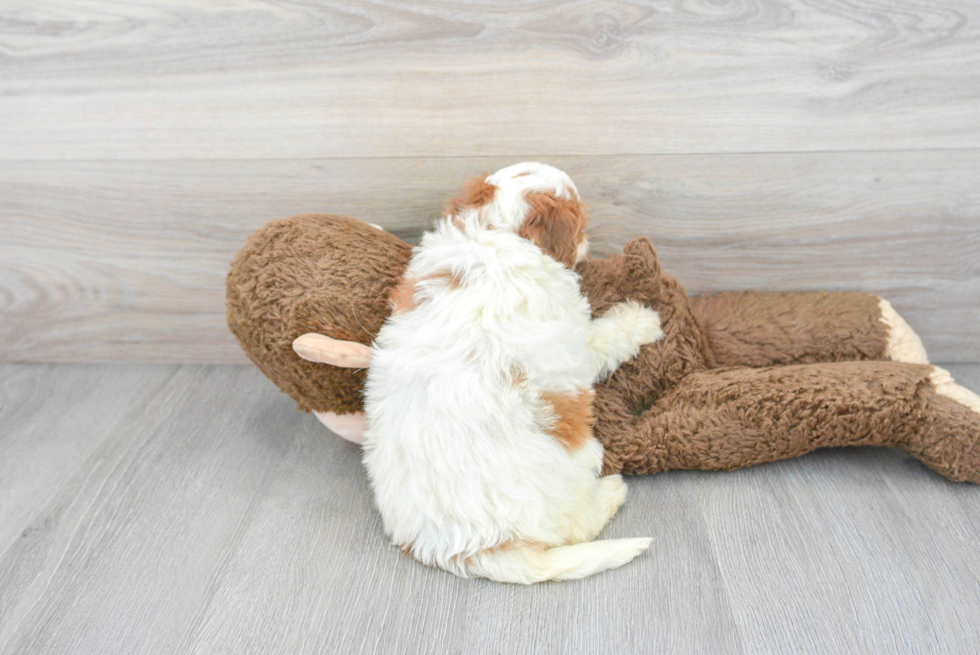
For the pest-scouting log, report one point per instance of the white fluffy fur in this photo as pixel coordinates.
(465, 474)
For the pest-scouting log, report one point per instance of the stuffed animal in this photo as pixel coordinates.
(739, 378)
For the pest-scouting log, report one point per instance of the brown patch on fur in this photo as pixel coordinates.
(556, 225)
(520, 175)
(403, 294)
(573, 417)
(476, 193)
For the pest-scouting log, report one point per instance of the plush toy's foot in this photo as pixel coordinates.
(946, 386)
(349, 426)
(949, 441)
(902, 344)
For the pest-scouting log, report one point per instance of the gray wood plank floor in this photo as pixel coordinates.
(191, 509)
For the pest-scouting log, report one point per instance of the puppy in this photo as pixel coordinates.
(478, 443)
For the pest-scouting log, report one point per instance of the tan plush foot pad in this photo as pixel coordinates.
(902, 344)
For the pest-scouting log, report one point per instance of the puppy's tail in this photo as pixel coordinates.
(529, 563)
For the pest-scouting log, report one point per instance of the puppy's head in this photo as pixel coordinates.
(538, 202)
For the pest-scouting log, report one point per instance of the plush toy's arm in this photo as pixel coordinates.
(765, 329)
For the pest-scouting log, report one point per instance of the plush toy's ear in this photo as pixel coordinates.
(320, 348)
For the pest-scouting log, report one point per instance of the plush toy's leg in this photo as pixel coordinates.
(767, 329)
(725, 419)
(949, 442)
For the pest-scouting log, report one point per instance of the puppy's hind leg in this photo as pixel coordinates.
(610, 493)
(610, 496)
(530, 563)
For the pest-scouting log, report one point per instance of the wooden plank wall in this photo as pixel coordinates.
(775, 144)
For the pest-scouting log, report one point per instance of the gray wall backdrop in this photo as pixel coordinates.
(771, 144)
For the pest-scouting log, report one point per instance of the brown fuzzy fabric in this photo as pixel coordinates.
(312, 273)
(638, 383)
(738, 379)
(768, 329)
(728, 418)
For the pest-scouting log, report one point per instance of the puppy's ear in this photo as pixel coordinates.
(476, 193)
(556, 225)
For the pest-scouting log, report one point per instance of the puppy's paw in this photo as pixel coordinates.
(617, 335)
(641, 324)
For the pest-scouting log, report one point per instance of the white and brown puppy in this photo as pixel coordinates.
(478, 443)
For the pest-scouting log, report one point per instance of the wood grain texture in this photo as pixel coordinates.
(50, 434)
(178, 79)
(163, 494)
(126, 260)
(195, 511)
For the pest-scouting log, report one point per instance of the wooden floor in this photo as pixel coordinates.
(191, 509)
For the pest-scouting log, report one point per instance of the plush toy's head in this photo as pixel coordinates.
(313, 273)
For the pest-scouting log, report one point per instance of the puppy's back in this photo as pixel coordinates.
(455, 448)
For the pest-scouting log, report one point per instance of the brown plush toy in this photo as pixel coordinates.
(739, 378)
